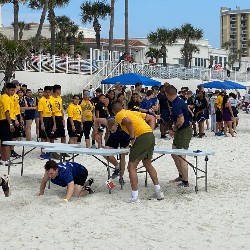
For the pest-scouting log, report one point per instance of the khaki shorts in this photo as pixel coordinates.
(182, 138)
(143, 147)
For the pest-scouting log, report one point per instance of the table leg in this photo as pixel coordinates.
(108, 168)
(196, 174)
(22, 161)
(206, 160)
(120, 166)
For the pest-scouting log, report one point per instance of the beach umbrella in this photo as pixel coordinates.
(235, 85)
(216, 85)
(131, 79)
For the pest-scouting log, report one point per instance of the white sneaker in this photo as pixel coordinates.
(134, 200)
(159, 195)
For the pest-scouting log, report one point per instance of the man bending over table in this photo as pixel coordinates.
(67, 174)
(181, 132)
(139, 126)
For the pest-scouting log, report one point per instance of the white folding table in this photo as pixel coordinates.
(33, 145)
(180, 152)
(90, 151)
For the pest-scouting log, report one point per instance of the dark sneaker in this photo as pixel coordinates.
(121, 181)
(56, 156)
(14, 154)
(90, 181)
(163, 136)
(115, 174)
(5, 185)
(89, 189)
(183, 185)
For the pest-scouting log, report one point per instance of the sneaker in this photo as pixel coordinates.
(56, 156)
(4, 163)
(159, 195)
(89, 189)
(121, 181)
(14, 154)
(93, 146)
(195, 134)
(183, 185)
(178, 179)
(115, 174)
(163, 136)
(5, 185)
(44, 157)
(90, 181)
(134, 200)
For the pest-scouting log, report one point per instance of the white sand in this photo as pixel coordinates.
(217, 219)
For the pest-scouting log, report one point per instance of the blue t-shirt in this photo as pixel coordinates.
(147, 104)
(67, 172)
(119, 135)
(180, 108)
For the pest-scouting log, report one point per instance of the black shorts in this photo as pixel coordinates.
(81, 178)
(18, 129)
(218, 115)
(86, 130)
(235, 111)
(115, 143)
(48, 124)
(60, 130)
(165, 115)
(77, 132)
(5, 133)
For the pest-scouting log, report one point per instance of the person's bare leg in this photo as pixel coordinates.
(87, 141)
(123, 163)
(37, 127)
(133, 175)
(5, 153)
(63, 139)
(28, 130)
(184, 168)
(151, 171)
(225, 129)
(71, 140)
(79, 191)
(230, 128)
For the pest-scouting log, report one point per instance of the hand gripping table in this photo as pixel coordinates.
(180, 152)
(89, 151)
(33, 145)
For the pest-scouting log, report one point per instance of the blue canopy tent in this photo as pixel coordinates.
(235, 85)
(216, 85)
(131, 79)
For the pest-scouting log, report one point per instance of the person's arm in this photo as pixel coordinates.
(43, 184)
(179, 123)
(70, 190)
(7, 114)
(230, 109)
(72, 124)
(127, 122)
(150, 120)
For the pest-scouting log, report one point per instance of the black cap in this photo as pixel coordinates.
(98, 90)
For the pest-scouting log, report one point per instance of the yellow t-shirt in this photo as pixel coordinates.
(75, 112)
(15, 99)
(57, 105)
(45, 106)
(219, 101)
(138, 121)
(6, 104)
(87, 110)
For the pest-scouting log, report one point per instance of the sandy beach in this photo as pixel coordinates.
(217, 219)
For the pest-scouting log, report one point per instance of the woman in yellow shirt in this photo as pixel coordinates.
(87, 111)
(75, 120)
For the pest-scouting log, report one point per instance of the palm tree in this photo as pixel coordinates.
(91, 12)
(12, 54)
(126, 28)
(22, 26)
(188, 51)
(226, 45)
(163, 37)
(34, 4)
(16, 11)
(188, 33)
(111, 25)
(154, 53)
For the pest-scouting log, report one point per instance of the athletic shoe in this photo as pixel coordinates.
(195, 134)
(134, 200)
(183, 185)
(14, 154)
(56, 156)
(89, 189)
(90, 181)
(219, 134)
(93, 146)
(5, 185)
(4, 163)
(178, 179)
(115, 174)
(163, 136)
(44, 157)
(159, 195)
(121, 181)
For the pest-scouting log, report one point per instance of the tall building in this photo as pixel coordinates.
(235, 29)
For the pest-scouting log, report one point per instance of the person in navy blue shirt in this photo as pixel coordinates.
(181, 132)
(67, 174)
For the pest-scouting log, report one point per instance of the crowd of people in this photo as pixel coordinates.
(120, 118)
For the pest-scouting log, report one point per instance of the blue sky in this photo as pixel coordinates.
(146, 16)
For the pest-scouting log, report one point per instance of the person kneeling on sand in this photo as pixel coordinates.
(4, 183)
(67, 174)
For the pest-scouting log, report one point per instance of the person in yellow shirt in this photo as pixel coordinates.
(218, 113)
(75, 120)
(87, 112)
(47, 126)
(59, 113)
(7, 116)
(139, 126)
